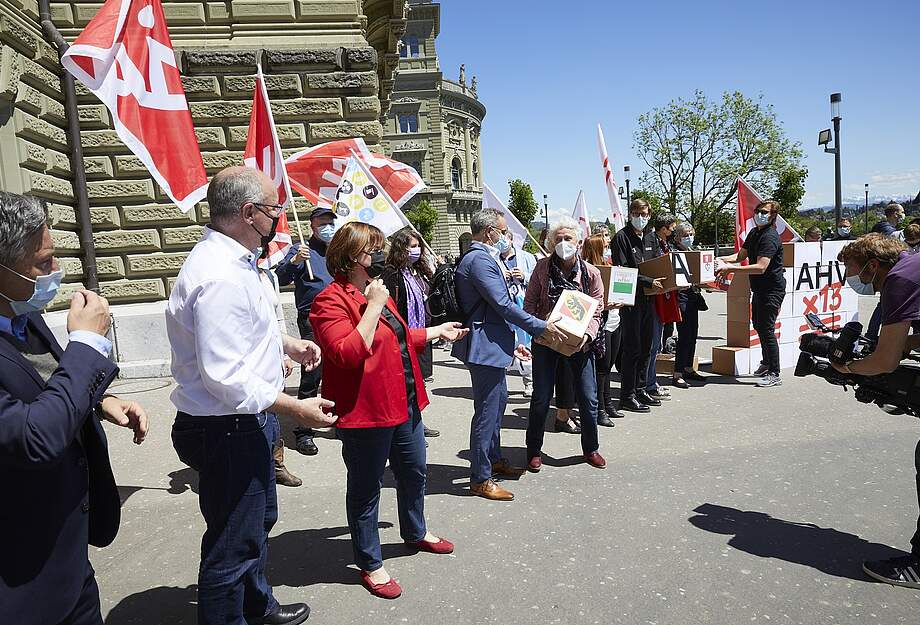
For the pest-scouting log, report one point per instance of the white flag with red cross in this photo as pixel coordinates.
(616, 213)
(580, 214)
(263, 152)
(125, 57)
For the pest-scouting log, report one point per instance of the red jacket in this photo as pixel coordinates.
(368, 386)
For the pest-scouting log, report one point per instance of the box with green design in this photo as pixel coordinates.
(619, 284)
(573, 313)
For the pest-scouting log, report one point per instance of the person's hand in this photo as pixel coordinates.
(89, 313)
(376, 293)
(517, 274)
(522, 353)
(657, 284)
(721, 268)
(584, 341)
(507, 274)
(288, 366)
(452, 331)
(303, 253)
(552, 332)
(307, 353)
(315, 412)
(126, 414)
(842, 368)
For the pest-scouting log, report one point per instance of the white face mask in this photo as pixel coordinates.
(46, 287)
(862, 288)
(761, 219)
(638, 221)
(566, 250)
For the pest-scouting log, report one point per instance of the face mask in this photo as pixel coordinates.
(687, 241)
(844, 232)
(608, 255)
(761, 219)
(913, 249)
(325, 232)
(266, 238)
(46, 287)
(378, 260)
(566, 250)
(502, 244)
(862, 288)
(638, 222)
(414, 254)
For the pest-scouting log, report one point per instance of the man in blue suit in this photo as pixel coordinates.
(489, 347)
(55, 476)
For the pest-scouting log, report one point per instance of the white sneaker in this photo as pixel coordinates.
(771, 379)
(528, 389)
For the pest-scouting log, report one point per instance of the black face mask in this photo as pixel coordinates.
(377, 265)
(267, 238)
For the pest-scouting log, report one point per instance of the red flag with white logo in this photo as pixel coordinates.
(125, 57)
(316, 172)
(748, 199)
(263, 152)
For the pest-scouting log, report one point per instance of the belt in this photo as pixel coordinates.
(232, 421)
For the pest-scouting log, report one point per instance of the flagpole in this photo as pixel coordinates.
(287, 182)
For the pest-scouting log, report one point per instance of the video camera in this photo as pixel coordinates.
(897, 392)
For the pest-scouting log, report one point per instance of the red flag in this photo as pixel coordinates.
(744, 217)
(316, 172)
(125, 57)
(263, 152)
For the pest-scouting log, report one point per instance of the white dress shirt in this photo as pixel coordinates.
(226, 346)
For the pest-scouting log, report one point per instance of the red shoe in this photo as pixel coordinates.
(535, 464)
(440, 547)
(596, 460)
(389, 590)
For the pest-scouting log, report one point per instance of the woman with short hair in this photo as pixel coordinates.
(691, 302)
(371, 372)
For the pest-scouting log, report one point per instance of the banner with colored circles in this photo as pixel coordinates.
(361, 198)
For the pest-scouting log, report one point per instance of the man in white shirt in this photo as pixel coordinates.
(227, 353)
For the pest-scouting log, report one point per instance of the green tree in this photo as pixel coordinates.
(653, 199)
(695, 149)
(522, 204)
(424, 218)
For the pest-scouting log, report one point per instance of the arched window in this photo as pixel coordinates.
(456, 174)
(475, 174)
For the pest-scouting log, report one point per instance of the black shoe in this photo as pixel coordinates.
(565, 427)
(605, 421)
(632, 405)
(612, 412)
(431, 433)
(647, 399)
(761, 370)
(903, 571)
(304, 444)
(292, 614)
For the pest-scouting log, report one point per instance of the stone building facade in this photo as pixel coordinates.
(329, 68)
(434, 125)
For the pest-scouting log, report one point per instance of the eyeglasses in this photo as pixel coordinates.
(277, 209)
(763, 211)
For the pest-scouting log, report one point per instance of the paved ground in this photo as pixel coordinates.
(729, 505)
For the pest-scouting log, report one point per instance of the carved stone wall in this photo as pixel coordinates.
(324, 78)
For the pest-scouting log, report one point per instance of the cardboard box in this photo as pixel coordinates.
(619, 284)
(740, 285)
(605, 277)
(575, 311)
(830, 250)
(798, 254)
(663, 269)
(790, 276)
(738, 308)
(740, 333)
(664, 364)
(730, 360)
(701, 265)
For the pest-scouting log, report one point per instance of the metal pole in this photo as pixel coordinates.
(717, 235)
(546, 212)
(628, 199)
(866, 230)
(53, 36)
(838, 191)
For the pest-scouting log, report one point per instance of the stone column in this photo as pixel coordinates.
(469, 154)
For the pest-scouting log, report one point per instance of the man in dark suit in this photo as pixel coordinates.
(55, 475)
(489, 347)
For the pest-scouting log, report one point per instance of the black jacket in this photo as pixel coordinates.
(629, 249)
(395, 282)
(55, 478)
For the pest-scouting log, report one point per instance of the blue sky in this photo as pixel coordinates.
(550, 71)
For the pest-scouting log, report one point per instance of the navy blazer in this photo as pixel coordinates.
(483, 294)
(56, 483)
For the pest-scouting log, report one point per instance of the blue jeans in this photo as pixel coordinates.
(651, 375)
(490, 397)
(365, 452)
(544, 372)
(236, 494)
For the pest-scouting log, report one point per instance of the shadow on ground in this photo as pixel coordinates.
(164, 604)
(822, 548)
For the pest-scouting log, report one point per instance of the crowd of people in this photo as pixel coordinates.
(365, 353)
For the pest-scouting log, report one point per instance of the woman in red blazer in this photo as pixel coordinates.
(371, 372)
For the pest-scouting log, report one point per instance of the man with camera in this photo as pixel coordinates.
(876, 263)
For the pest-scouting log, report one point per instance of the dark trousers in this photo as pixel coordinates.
(651, 375)
(544, 368)
(236, 494)
(366, 452)
(764, 310)
(604, 365)
(86, 612)
(490, 397)
(564, 383)
(309, 380)
(688, 331)
(636, 343)
(915, 541)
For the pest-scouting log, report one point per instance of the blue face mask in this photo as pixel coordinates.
(46, 287)
(325, 232)
(502, 245)
(761, 219)
(687, 241)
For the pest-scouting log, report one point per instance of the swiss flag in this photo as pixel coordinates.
(125, 57)
(316, 172)
(744, 217)
(263, 152)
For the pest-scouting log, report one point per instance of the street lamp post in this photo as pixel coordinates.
(626, 172)
(546, 212)
(866, 231)
(824, 138)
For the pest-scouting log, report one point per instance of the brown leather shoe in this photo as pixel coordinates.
(282, 475)
(490, 490)
(596, 460)
(503, 468)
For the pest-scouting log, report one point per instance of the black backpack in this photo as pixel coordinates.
(443, 304)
